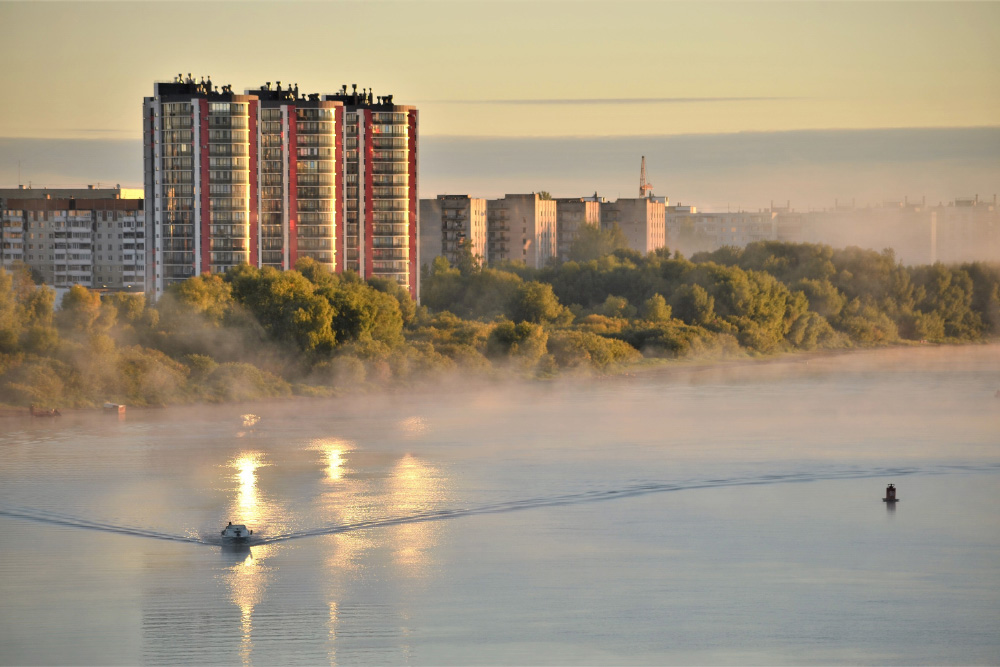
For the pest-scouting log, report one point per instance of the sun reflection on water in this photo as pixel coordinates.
(333, 450)
(415, 487)
(248, 505)
(413, 426)
(247, 579)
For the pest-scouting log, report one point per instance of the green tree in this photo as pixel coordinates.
(535, 302)
(83, 314)
(655, 309)
(407, 306)
(692, 304)
(10, 322)
(523, 343)
(286, 306)
(207, 295)
(592, 242)
(362, 314)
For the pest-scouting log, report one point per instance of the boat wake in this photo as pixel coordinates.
(598, 495)
(637, 489)
(55, 518)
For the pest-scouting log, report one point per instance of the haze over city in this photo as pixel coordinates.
(733, 104)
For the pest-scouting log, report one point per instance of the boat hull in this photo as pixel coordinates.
(236, 534)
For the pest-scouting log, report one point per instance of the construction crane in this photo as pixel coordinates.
(644, 187)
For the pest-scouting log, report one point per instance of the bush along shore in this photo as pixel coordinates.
(252, 333)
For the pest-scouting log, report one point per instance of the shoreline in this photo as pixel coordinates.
(660, 369)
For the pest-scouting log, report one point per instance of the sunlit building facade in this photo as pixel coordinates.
(380, 193)
(447, 223)
(271, 176)
(94, 237)
(521, 228)
(572, 213)
(642, 220)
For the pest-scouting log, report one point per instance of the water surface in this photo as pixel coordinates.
(723, 515)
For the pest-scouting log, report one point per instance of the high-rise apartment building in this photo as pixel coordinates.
(447, 222)
(87, 236)
(521, 228)
(272, 176)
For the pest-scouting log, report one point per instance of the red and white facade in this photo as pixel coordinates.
(269, 177)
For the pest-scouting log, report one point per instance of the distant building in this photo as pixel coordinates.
(966, 230)
(642, 220)
(271, 176)
(693, 231)
(571, 214)
(963, 230)
(90, 236)
(447, 222)
(521, 228)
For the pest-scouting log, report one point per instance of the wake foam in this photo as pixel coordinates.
(629, 491)
(516, 505)
(58, 519)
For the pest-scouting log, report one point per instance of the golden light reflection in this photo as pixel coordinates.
(333, 450)
(249, 421)
(332, 634)
(416, 487)
(247, 579)
(248, 502)
(413, 426)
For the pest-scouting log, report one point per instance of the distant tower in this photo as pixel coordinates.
(644, 187)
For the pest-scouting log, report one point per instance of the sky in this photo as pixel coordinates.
(547, 81)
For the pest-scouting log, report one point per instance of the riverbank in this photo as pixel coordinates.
(693, 370)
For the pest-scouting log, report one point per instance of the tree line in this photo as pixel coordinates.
(256, 333)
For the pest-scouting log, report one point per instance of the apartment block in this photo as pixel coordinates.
(447, 222)
(91, 237)
(521, 228)
(572, 213)
(693, 231)
(966, 229)
(271, 176)
(642, 220)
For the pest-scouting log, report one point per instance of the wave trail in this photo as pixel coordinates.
(629, 491)
(55, 518)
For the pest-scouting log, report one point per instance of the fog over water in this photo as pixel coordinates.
(724, 514)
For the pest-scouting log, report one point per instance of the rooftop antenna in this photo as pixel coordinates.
(644, 187)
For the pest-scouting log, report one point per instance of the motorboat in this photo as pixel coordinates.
(236, 533)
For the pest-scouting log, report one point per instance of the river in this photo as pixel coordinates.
(729, 514)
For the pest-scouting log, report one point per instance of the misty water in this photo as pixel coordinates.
(721, 515)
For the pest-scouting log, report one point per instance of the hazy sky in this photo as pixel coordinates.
(516, 69)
